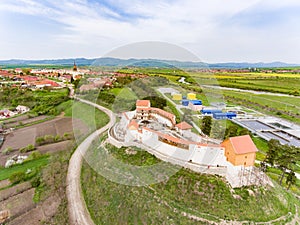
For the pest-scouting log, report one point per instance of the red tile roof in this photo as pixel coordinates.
(143, 103)
(165, 114)
(184, 126)
(243, 144)
(133, 124)
(178, 140)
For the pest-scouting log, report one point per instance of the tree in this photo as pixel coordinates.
(231, 131)
(291, 179)
(286, 159)
(244, 131)
(206, 125)
(218, 129)
(157, 101)
(273, 151)
(17, 177)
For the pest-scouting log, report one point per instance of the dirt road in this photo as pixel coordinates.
(78, 212)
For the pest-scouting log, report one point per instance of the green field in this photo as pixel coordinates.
(5, 173)
(92, 117)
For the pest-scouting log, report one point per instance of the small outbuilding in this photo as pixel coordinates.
(185, 102)
(195, 105)
(224, 116)
(183, 126)
(240, 151)
(191, 96)
(210, 111)
(177, 97)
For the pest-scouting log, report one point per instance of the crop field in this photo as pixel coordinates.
(276, 83)
(287, 83)
(25, 136)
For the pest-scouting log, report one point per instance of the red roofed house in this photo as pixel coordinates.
(142, 103)
(240, 151)
(183, 126)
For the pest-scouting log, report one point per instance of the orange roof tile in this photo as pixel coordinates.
(143, 103)
(184, 126)
(243, 144)
(133, 125)
(165, 114)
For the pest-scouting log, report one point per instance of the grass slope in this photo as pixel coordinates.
(5, 173)
(203, 196)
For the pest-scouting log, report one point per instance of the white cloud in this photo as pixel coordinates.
(212, 29)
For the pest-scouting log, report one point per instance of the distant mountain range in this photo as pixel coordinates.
(142, 63)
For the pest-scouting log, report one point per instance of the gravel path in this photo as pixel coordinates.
(78, 212)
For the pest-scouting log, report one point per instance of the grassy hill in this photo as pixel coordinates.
(186, 195)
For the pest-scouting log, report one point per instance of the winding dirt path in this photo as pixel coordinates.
(78, 212)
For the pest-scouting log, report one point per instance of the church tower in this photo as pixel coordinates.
(74, 67)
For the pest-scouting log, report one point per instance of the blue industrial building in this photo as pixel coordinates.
(196, 102)
(210, 111)
(222, 116)
(185, 102)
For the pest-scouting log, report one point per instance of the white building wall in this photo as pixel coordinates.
(174, 152)
(162, 119)
(150, 139)
(210, 156)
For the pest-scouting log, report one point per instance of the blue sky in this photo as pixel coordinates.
(215, 30)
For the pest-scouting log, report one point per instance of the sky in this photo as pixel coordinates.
(214, 30)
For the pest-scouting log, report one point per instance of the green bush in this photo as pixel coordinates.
(49, 139)
(57, 138)
(7, 150)
(40, 140)
(36, 181)
(17, 177)
(68, 136)
(28, 148)
(34, 155)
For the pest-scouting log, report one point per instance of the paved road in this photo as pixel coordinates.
(78, 213)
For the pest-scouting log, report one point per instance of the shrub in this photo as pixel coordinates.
(40, 140)
(68, 136)
(7, 150)
(28, 148)
(34, 155)
(36, 181)
(17, 177)
(57, 138)
(49, 139)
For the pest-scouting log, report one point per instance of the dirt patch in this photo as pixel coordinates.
(10, 192)
(25, 136)
(56, 147)
(33, 217)
(20, 138)
(4, 183)
(16, 119)
(25, 121)
(37, 215)
(19, 204)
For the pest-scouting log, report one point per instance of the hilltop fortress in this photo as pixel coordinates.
(156, 131)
